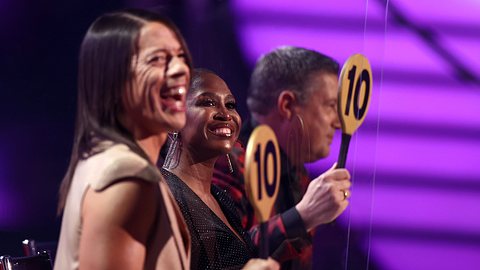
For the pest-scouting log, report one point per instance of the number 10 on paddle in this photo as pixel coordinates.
(262, 177)
(354, 93)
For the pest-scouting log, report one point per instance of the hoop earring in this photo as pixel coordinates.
(296, 138)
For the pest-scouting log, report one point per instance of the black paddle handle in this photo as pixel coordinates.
(342, 157)
(263, 252)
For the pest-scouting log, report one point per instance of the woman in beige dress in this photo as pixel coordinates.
(134, 71)
(118, 213)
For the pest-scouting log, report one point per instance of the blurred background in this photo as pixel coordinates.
(415, 161)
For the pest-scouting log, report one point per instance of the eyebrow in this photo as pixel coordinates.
(164, 50)
(155, 51)
(210, 94)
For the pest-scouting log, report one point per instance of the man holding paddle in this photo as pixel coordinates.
(294, 91)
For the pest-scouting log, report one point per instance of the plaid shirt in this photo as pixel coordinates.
(288, 241)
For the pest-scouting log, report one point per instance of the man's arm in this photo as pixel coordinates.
(281, 227)
(287, 232)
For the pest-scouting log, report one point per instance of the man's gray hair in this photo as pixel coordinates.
(285, 68)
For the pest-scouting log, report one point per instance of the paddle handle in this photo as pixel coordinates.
(263, 251)
(342, 157)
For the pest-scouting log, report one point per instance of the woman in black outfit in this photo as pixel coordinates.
(212, 128)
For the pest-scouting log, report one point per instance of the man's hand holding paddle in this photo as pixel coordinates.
(327, 195)
(325, 198)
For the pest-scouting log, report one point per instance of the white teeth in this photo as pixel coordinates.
(181, 90)
(223, 131)
(175, 92)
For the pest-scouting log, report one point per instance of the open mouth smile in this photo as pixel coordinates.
(222, 130)
(173, 98)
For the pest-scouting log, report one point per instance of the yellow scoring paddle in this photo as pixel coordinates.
(262, 177)
(354, 94)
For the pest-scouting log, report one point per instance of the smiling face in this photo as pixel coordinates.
(156, 101)
(213, 124)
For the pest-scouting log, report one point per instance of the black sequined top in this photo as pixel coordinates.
(214, 245)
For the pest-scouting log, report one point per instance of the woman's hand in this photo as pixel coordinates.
(262, 264)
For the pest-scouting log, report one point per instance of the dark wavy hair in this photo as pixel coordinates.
(104, 74)
(285, 68)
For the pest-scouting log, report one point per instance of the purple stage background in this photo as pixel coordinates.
(415, 161)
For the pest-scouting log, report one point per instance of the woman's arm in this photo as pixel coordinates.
(116, 225)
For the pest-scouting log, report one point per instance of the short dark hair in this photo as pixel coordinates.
(104, 74)
(198, 75)
(285, 68)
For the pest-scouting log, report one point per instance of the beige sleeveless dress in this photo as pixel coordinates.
(170, 246)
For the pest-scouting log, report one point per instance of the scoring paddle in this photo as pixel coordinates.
(262, 177)
(355, 89)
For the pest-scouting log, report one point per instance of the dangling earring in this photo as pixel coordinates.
(171, 160)
(230, 166)
(174, 135)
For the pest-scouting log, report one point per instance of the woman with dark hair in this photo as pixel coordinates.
(212, 128)
(134, 71)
